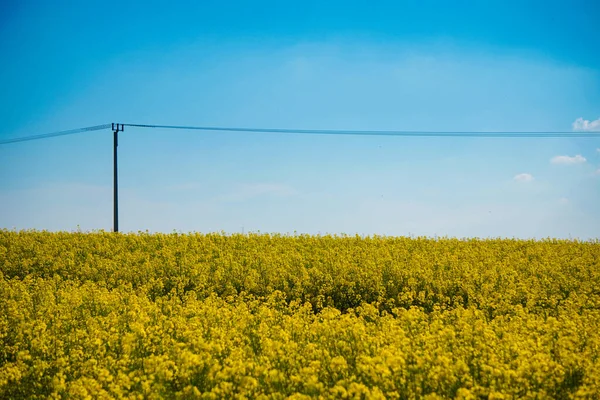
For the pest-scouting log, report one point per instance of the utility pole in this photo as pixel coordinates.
(116, 128)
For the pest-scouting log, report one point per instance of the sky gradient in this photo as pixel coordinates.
(475, 65)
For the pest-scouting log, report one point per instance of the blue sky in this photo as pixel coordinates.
(426, 65)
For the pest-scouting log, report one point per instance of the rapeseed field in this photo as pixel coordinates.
(258, 316)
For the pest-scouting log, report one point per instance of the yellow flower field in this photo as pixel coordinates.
(104, 315)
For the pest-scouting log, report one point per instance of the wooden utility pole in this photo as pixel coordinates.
(116, 128)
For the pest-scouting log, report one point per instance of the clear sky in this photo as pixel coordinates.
(376, 65)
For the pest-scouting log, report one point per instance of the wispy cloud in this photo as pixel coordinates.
(58, 206)
(524, 177)
(581, 124)
(249, 191)
(185, 186)
(568, 160)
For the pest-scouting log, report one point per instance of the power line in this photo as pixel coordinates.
(406, 133)
(416, 133)
(54, 134)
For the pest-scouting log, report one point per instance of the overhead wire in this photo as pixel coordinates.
(415, 133)
(55, 134)
(405, 133)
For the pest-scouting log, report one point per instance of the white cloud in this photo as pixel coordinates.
(563, 200)
(523, 177)
(567, 160)
(581, 124)
(597, 172)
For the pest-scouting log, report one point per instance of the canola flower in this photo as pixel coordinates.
(104, 315)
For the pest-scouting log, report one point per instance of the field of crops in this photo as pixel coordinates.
(262, 316)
